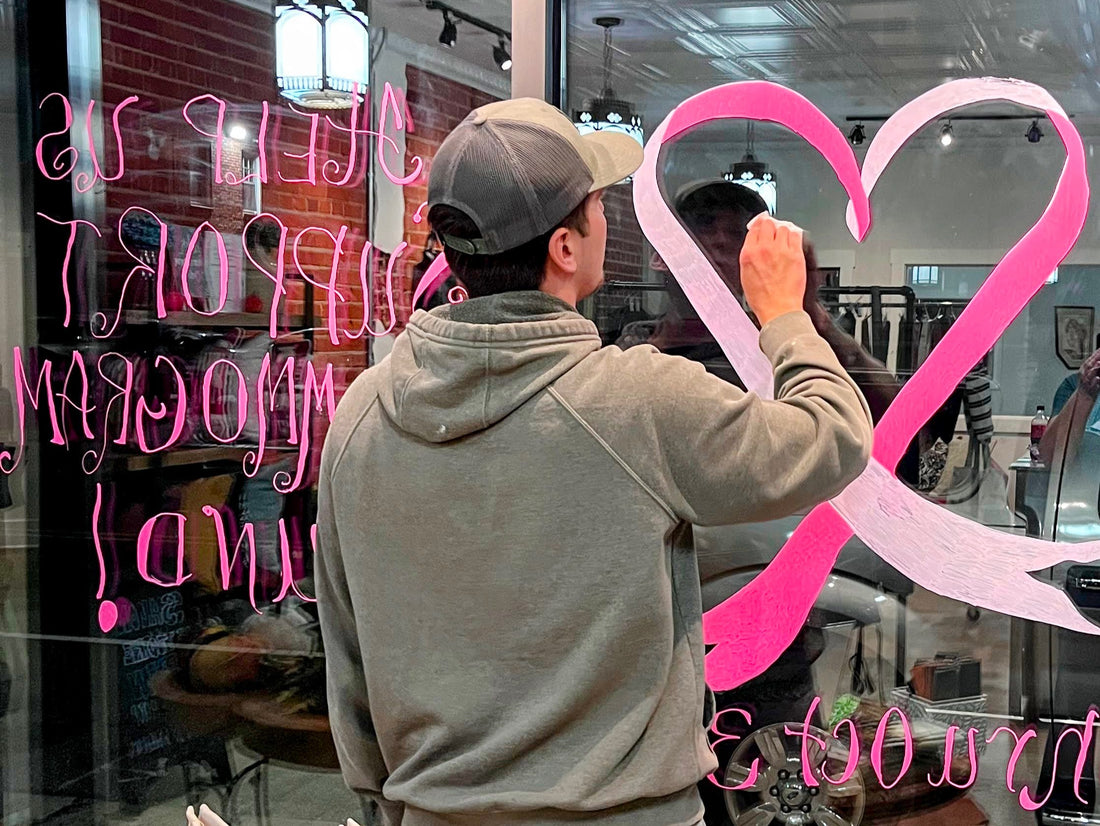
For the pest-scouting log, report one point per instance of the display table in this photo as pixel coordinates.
(1030, 502)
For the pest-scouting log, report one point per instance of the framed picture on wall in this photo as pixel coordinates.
(1073, 334)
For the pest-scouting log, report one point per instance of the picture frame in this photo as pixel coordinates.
(1074, 331)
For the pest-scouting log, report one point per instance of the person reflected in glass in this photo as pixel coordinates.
(717, 214)
(1075, 411)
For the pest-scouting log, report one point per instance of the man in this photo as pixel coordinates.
(508, 597)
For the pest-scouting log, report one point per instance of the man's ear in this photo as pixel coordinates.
(560, 253)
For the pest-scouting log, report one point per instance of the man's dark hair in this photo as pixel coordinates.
(700, 205)
(520, 268)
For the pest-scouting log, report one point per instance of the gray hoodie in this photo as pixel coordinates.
(508, 593)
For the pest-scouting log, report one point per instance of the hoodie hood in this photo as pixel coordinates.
(462, 368)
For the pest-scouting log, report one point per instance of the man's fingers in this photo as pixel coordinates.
(766, 230)
(789, 234)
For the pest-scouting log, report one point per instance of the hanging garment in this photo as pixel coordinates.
(978, 406)
(881, 341)
(847, 322)
(924, 340)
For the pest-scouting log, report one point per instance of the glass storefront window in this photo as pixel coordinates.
(946, 209)
(211, 216)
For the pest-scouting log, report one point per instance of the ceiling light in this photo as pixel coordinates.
(449, 36)
(1034, 134)
(608, 112)
(947, 135)
(857, 135)
(501, 56)
(752, 173)
(322, 50)
(238, 132)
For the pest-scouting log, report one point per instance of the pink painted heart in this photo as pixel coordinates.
(943, 552)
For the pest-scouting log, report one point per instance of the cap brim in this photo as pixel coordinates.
(617, 156)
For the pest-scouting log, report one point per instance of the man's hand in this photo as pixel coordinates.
(773, 268)
(1088, 376)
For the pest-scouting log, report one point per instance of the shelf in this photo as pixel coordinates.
(186, 318)
(185, 456)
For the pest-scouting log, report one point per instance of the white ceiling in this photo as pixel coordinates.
(851, 57)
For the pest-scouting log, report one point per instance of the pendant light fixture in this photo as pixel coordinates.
(754, 174)
(322, 51)
(608, 112)
(1034, 134)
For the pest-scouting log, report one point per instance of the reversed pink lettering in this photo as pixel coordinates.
(278, 277)
(82, 407)
(83, 181)
(232, 177)
(948, 756)
(223, 270)
(142, 267)
(309, 156)
(1017, 752)
(390, 106)
(161, 411)
(217, 136)
(807, 737)
(288, 583)
(71, 153)
(324, 393)
(24, 396)
(73, 227)
(267, 400)
(1084, 738)
(880, 742)
(353, 143)
(334, 295)
(852, 764)
(753, 774)
(144, 542)
(241, 400)
(225, 562)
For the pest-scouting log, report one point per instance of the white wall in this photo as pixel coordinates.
(965, 205)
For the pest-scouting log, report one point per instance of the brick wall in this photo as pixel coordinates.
(170, 51)
(625, 241)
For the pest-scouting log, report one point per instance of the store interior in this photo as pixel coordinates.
(132, 726)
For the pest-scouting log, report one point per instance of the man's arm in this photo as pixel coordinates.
(361, 760)
(726, 456)
(716, 455)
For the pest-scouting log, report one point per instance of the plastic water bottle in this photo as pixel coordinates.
(1038, 428)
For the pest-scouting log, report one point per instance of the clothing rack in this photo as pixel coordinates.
(904, 298)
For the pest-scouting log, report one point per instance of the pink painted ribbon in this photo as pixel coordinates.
(941, 551)
(436, 274)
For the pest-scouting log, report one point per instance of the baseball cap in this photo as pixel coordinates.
(518, 167)
(728, 193)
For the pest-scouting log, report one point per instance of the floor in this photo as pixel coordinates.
(295, 797)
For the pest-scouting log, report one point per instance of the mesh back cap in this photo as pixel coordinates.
(518, 167)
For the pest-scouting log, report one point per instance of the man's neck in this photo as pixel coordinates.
(565, 292)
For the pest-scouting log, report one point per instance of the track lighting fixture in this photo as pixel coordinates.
(449, 36)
